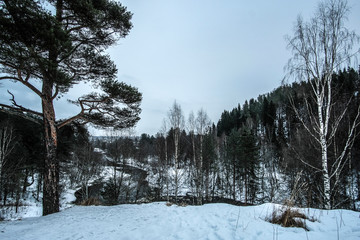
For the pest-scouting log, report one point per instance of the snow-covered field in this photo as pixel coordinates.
(158, 221)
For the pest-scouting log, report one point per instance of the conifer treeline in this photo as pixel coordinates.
(257, 150)
(286, 148)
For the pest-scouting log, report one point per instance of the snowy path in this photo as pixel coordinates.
(157, 221)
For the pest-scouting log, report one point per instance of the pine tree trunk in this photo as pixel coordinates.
(234, 180)
(2, 144)
(51, 166)
(201, 175)
(167, 170)
(207, 183)
(246, 188)
(38, 188)
(115, 180)
(25, 185)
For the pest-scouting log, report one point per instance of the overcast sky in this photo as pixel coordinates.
(210, 54)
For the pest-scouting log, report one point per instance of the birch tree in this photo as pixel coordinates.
(319, 48)
(176, 121)
(165, 165)
(202, 124)
(117, 162)
(194, 171)
(89, 166)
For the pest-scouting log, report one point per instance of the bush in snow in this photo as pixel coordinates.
(91, 202)
(111, 192)
(289, 217)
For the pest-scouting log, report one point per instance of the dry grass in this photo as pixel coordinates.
(181, 204)
(91, 202)
(289, 217)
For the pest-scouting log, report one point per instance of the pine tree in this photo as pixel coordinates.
(59, 48)
(248, 163)
(233, 153)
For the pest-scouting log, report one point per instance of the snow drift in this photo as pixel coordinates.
(158, 221)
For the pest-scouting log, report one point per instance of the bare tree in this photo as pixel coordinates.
(89, 166)
(202, 124)
(7, 145)
(319, 48)
(176, 121)
(194, 171)
(165, 165)
(117, 161)
(191, 125)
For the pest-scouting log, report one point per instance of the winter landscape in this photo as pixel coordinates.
(171, 120)
(158, 221)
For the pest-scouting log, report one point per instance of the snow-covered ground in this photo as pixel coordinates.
(158, 221)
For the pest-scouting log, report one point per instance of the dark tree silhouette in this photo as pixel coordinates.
(62, 47)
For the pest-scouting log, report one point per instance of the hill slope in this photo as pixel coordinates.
(158, 221)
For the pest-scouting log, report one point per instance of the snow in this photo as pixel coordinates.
(158, 221)
(30, 207)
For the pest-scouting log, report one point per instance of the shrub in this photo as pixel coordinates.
(91, 202)
(111, 192)
(289, 217)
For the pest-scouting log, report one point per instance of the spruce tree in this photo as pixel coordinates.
(233, 153)
(248, 162)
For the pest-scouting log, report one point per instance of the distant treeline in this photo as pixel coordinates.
(258, 152)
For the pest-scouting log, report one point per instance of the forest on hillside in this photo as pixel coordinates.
(257, 152)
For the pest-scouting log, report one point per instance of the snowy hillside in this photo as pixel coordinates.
(158, 221)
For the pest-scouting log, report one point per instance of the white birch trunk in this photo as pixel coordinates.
(176, 120)
(326, 178)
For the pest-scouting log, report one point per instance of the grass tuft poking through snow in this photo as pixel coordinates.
(289, 217)
(91, 202)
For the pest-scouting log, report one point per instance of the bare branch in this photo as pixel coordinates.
(10, 78)
(302, 120)
(349, 142)
(18, 107)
